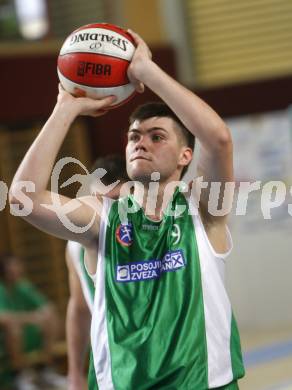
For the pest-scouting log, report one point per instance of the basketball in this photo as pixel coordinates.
(95, 58)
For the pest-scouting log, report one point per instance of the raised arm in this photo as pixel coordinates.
(37, 166)
(215, 163)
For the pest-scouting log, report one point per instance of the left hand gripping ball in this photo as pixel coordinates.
(95, 59)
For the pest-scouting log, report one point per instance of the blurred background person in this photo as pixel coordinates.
(28, 322)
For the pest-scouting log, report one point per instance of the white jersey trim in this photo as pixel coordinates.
(217, 308)
(99, 332)
(223, 255)
(74, 249)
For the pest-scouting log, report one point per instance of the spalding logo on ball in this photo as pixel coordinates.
(95, 58)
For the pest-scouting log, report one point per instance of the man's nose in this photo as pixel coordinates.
(141, 144)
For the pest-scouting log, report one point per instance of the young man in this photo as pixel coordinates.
(81, 286)
(161, 316)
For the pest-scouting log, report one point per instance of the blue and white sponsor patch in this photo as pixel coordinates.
(151, 269)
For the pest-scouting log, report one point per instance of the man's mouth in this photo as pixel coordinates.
(139, 158)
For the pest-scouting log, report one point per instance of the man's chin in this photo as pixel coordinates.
(140, 175)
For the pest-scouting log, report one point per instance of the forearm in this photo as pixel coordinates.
(78, 334)
(32, 317)
(19, 318)
(197, 116)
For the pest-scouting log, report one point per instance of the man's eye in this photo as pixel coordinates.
(156, 137)
(133, 137)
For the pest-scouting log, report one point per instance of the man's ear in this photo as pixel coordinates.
(186, 156)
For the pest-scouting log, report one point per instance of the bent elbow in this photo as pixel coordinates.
(224, 140)
(20, 198)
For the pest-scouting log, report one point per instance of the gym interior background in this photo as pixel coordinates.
(238, 57)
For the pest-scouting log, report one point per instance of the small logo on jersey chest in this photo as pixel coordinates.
(146, 226)
(124, 234)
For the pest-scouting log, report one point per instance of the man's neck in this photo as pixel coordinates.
(155, 197)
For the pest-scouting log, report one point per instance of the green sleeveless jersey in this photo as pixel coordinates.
(161, 316)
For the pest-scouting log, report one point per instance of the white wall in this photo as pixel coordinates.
(259, 271)
(259, 274)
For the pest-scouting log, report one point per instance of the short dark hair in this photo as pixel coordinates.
(160, 109)
(115, 165)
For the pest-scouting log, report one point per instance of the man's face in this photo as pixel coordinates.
(154, 146)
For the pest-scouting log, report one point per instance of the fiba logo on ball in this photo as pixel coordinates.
(89, 67)
(95, 59)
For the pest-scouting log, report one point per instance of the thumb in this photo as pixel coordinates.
(139, 87)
